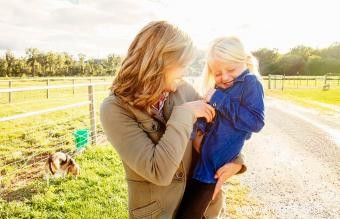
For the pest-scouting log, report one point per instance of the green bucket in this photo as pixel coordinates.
(81, 137)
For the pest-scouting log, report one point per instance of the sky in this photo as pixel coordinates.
(98, 28)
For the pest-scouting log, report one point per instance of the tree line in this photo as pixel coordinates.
(300, 60)
(46, 64)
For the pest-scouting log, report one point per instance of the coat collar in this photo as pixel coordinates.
(242, 75)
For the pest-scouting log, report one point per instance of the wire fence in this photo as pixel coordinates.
(33, 127)
(47, 93)
(282, 82)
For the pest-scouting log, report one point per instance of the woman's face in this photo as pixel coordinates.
(225, 73)
(173, 76)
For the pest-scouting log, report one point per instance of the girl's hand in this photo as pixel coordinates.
(209, 94)
(224, 173)
(197, 142)
(201, 109)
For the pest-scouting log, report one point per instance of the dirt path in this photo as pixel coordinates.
(294, 163)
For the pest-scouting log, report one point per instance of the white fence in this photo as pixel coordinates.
(282, 82)
(28, 138)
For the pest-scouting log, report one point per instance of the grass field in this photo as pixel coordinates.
(326, 101)
(25, 142)
(99, 192)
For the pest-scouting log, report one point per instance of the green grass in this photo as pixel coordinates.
(99, 192)
(24, 141)
(315, 98)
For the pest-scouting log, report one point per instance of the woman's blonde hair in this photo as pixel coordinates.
(227, 50)
(156, 48)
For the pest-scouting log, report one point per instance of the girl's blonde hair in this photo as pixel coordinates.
(156, 48)
(227, 50)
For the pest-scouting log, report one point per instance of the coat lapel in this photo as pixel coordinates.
(168, 106)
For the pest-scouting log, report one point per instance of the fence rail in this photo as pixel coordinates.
(11, 89)
(20, 164)
(55, 79)
(325, 82)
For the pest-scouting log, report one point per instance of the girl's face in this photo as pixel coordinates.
(173, 76)
(225, 73)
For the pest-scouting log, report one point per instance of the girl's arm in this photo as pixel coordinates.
(247, 113)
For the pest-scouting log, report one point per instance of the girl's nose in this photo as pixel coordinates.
(226, 77)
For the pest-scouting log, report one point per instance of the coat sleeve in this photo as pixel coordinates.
(247, 113)
(156, 163)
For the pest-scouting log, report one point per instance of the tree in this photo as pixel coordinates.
(9, 62)
(111, 64)
(267, 61)
(333, 51)
(3, 67)
(32, 54)
(82, 57)
(19, 68)
(303, 51)
(291, 64)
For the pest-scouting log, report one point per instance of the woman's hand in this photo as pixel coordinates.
(201, 109)
(224, 173)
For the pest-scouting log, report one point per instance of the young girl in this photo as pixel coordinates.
(237, 96)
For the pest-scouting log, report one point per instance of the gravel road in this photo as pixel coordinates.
(293, 163)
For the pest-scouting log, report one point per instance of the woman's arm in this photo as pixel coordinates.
(156, 163)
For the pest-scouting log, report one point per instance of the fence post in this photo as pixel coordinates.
(315, 82)
(269, 81)
(325, 81)
(296, 82)
(47, 91)
(74, 81)
(283, 80)
(275, 81)
(92, 116)
(10, 93)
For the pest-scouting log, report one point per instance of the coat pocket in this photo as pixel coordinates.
(149, 211)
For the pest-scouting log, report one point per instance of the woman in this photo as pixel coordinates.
(148, 118)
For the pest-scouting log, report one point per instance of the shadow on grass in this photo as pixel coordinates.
(21, 194)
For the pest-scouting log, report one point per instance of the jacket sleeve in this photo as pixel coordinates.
(247, 113)
(156, 163)
(200, 125)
